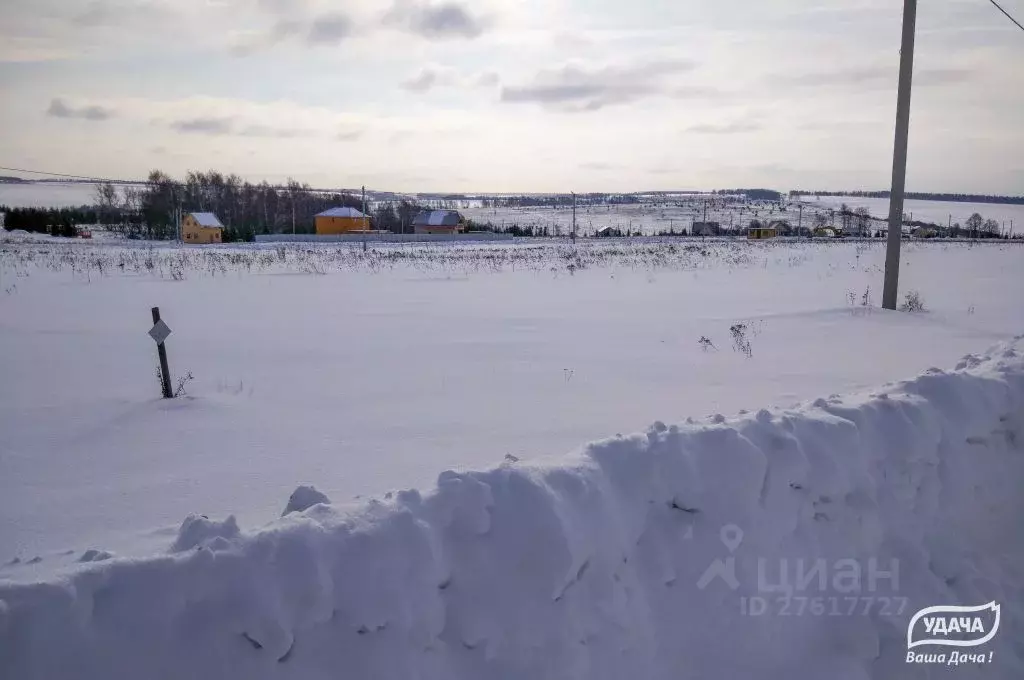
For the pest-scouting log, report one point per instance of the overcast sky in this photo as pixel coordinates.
(514, 95)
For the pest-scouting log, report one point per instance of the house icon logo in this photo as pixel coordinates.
(724, 569)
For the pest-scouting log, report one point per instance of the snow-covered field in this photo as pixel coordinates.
(651, 215)
(365, 373)
(936, 212)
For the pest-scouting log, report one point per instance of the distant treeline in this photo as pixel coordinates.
(557, 200)
(753, 194)
(918, 195)
(152, 210)
(55, 221)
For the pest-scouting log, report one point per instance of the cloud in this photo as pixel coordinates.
(942, 76)
(488, 79)
(349, 135)
(275, 132)
(99, 13)
(876, 77)
(850, 76)
(433, 76)
(738, 127)
(578, 88)
(205, 125)
(330, 29)
(323, 30)
(435, 21)
(61, 109)
(423, 81)
(228, 125)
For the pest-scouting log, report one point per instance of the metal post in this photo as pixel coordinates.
(165, 372)
(574, 217)
(899, 158)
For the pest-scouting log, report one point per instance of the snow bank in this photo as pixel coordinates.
(637, 557)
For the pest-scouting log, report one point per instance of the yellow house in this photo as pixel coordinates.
(341, 221)
(201, 227)
(761, 232)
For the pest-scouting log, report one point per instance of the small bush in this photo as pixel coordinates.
(740, 343)
(912, 302)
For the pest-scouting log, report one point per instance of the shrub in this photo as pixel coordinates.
(912, 302)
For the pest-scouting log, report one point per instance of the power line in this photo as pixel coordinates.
(83, 177)
(1007, 14)
(175, 182)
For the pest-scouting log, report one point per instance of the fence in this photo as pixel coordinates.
(384, 237)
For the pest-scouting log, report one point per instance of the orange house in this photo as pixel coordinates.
(341, 221)
(439, 222)
(201, 227)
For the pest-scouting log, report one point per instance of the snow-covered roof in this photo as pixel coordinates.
(341, 212)
(206, 219)
(438, 218)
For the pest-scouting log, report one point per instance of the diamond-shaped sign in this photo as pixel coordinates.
(159, 331)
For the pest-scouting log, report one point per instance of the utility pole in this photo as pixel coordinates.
(574, 217)
(899, 158)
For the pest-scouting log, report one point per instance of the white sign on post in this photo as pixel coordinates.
(159, 331)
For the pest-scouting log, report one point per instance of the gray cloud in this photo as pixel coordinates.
(431, 77)
(488, 79)
(330, 29)
(221, 125)
(99, 13)
(206, 126)
(738, 127)
(942, 76)
(61, 109)
(435, 21)
(876, 77)
(275, 132)
(852, 76)
(326, 29)
(575, 88)
(422, 81)
(349, 135)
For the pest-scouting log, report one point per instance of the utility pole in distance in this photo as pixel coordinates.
(574, 217)
(899, 158)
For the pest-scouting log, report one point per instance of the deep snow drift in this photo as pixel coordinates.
(637, 557)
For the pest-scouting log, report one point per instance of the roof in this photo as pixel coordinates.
(206, 219)
(341, 212)
(438, 218)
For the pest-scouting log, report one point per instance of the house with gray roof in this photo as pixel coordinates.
(439, 222)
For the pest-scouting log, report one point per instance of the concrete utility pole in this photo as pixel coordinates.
(899, 158)
(574, 217)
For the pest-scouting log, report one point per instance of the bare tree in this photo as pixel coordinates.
(974, 224)
(106, 203)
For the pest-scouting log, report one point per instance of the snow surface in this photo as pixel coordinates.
(363, 373)
(936, 212)
(595, 565)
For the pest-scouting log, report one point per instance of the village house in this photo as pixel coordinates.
(439, 222)
(341, 221)
(201, 227)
